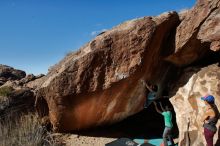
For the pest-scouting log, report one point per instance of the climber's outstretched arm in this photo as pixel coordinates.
(146, 85)
(160, 112)
(161, 106)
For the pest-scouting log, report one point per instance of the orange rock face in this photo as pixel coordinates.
(100, 83)
(198, 30)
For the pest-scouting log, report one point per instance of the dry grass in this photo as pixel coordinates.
(20, 129)
(26, 131)
(6, 91)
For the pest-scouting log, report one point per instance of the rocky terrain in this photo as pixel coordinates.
(16, 97)
(100, 84)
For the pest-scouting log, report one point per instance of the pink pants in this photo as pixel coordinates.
(209, 136)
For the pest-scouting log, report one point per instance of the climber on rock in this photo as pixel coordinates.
(167, 114)
(152, 94)
(210, 118)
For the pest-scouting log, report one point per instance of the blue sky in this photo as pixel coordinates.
(36, 34)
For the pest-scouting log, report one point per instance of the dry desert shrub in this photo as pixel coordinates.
(25, 131)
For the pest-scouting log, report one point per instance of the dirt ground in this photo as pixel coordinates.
(76, 140)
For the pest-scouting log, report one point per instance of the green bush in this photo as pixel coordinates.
(6, 91)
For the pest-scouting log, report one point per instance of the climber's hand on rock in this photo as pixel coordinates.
(143, 82)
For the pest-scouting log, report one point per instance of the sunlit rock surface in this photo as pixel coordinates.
(189, 108)
(100, 83)
(198, 33)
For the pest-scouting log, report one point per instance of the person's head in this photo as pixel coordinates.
(154, 88)
(168, 108)
(208, 99)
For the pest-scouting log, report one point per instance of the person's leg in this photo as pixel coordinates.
(165, 134)
(209, 136)
(169, 135)
(171, 139)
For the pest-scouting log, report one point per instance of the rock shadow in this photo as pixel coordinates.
(147, 124)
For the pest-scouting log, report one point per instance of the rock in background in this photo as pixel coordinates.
(8, 73)
(15, 96)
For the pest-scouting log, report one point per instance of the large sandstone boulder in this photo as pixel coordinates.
(198, 34)
(100, 83)
(189, 108)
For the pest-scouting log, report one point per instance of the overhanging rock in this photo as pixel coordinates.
(100, 83)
